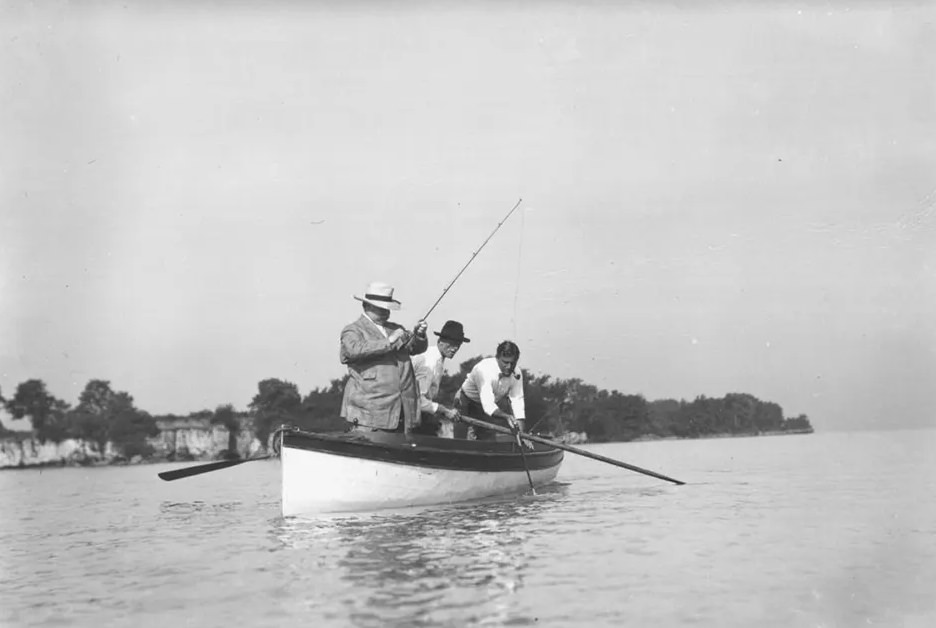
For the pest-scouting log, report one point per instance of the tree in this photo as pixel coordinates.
(130, 427)
(227, 416)
(321, 408)
(798, 423)
(741, 409)
(104, 415)
(664, 415)
(276, 402)
(540, 408)
(768, 417)
(45, 412)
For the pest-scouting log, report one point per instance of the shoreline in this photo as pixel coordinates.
(653, 437)
(91, 458)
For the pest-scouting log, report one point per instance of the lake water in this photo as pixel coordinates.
(834, 529)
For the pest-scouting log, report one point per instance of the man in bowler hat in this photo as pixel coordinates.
(437, 419)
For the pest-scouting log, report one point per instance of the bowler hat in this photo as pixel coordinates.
(452, 330)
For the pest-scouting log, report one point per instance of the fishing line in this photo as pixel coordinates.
(519, 267)
(473, 255)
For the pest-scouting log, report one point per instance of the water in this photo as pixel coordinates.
(823, 530)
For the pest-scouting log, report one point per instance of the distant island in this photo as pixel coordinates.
(107, 428)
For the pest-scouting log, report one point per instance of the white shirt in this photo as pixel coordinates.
(487, 385)
(429, 367)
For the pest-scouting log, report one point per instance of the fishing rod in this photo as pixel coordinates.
(473, 255)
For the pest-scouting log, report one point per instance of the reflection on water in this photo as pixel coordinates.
(434, 566)
(186, 510)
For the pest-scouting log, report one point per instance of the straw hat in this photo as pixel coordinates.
(380, 295)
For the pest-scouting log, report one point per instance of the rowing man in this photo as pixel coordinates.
(493, 392)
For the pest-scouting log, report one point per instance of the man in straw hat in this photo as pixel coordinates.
(430, 366)
(381, 393)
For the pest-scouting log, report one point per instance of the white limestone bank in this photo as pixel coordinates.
(188, 441)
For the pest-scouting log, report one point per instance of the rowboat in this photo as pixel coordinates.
(327, 473)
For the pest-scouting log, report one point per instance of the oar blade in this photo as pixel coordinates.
(178, 474)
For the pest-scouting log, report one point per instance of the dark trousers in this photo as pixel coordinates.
(475, 410)
(428, 425)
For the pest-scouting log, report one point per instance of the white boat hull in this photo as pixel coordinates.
(324, 482)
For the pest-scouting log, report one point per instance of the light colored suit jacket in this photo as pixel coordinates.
(381, 383)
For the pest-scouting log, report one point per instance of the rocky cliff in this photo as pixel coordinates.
(26, 451)
(194, 440)
(185, 441)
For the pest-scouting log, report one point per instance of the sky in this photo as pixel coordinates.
(716, 197)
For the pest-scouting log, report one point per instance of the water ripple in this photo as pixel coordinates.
(770, 532)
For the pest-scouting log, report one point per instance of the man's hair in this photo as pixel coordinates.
(508, 349)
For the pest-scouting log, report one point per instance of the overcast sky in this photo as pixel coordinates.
(724, 197)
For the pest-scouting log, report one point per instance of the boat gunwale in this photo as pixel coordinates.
(425, 451)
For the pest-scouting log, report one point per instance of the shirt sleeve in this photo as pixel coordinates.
(424, 380)
(517, 402)
(418, 345)
(486, 392)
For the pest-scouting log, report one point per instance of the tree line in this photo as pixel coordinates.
(554, 406)
(102, 416)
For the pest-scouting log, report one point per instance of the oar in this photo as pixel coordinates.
(178, 474)
(574, 450)
(526, 467)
